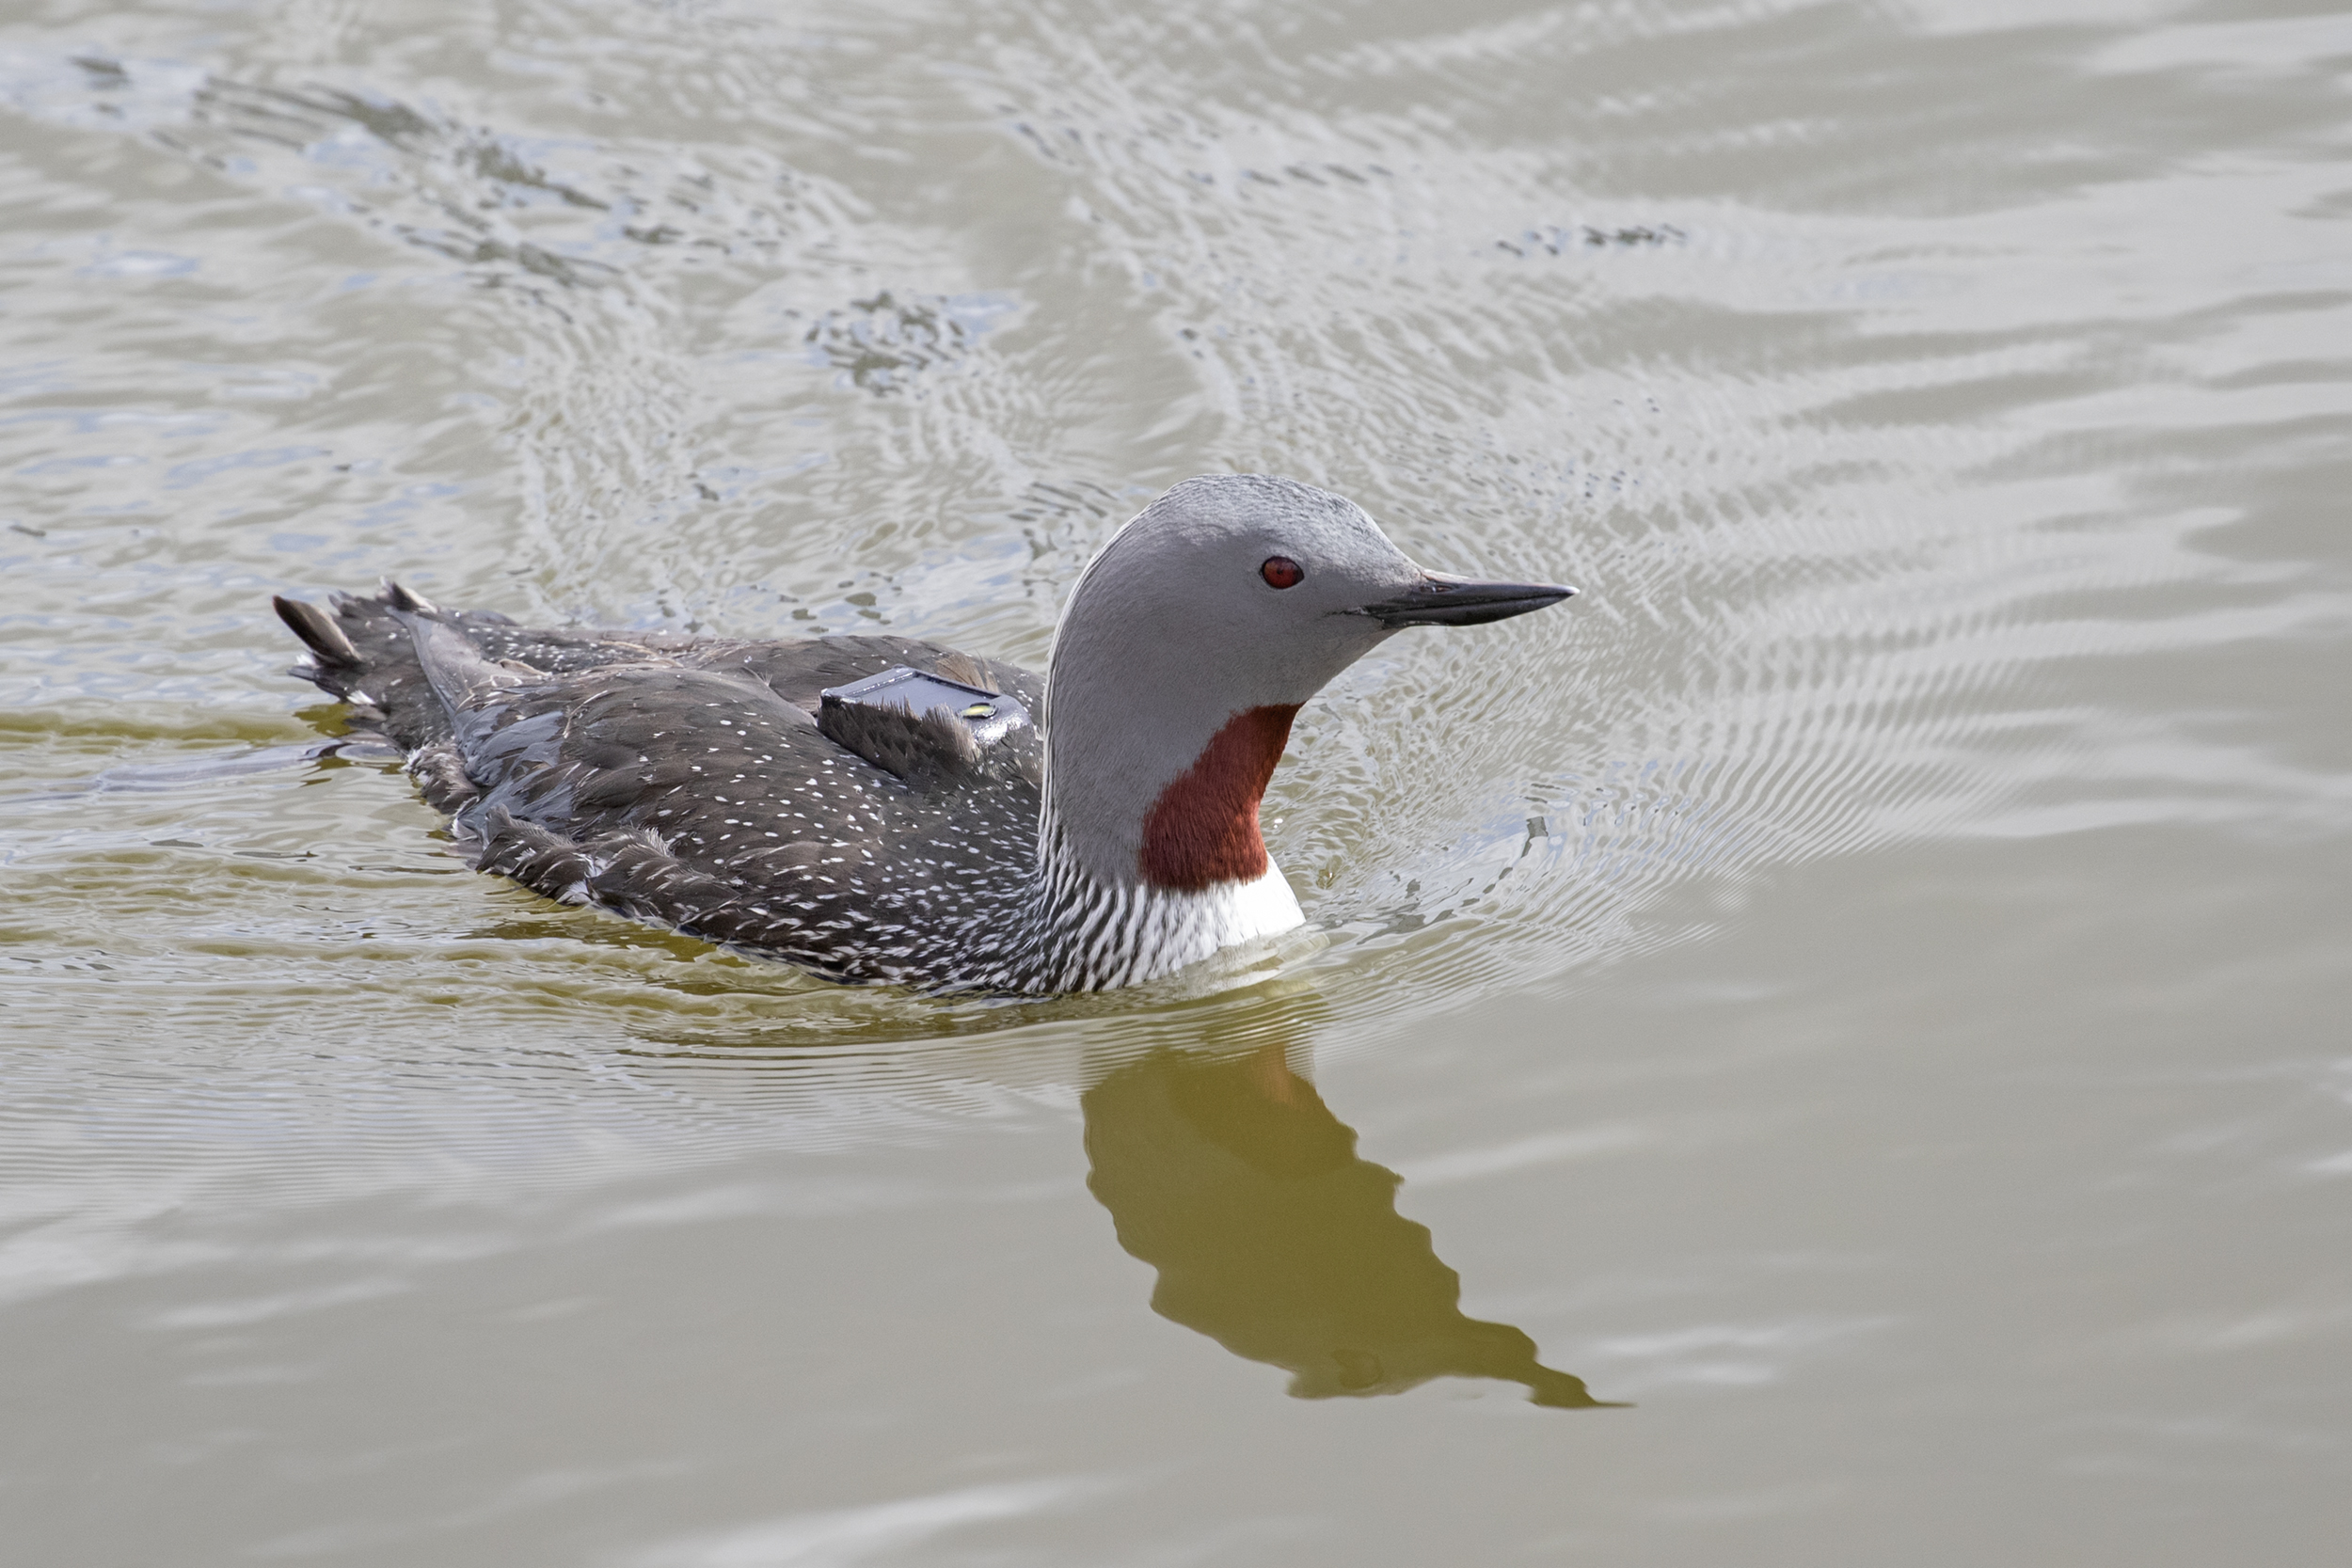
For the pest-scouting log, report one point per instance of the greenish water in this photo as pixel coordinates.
(1858, 992)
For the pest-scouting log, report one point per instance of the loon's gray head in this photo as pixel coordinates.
(1187, 645)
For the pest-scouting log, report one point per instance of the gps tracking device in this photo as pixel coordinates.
(989, 714)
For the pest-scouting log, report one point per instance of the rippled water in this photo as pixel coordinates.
(1861, 986)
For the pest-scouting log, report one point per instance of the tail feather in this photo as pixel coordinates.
(323, 637)
(408, 666)
(407, 600)
(362, 650)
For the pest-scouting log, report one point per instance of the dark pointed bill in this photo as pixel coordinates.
(1442, 599)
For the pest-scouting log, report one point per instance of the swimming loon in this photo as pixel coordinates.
(881, 810)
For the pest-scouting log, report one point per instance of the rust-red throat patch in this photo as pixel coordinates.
(1203, 829)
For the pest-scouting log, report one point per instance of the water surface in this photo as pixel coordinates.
(1826, 1049)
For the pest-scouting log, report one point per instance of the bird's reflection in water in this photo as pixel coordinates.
(1231, 1177)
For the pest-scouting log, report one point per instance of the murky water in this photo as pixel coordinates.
(1861, 989)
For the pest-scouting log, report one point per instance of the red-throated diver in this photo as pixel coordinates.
(881, 810)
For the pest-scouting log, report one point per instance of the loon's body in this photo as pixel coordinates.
(714, 785)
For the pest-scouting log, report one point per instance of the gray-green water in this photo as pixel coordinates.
(1863, 985)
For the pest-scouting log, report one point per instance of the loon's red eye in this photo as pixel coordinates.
(1280, 571)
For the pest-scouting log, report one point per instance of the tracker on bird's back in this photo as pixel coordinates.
(989, 714)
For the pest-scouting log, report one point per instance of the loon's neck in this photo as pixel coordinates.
(1165, 876)
(1100, 930)
(1156, 753)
